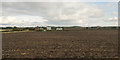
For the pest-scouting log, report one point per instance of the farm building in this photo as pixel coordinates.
(48, 28)
(40, 28)
(37, 28)
(59, 28)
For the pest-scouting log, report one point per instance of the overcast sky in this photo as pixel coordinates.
(59, 0)
(59, 14)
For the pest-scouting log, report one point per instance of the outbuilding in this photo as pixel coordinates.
(48, 28)
(59, 28)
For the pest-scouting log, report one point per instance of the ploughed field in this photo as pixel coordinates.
(61, 44)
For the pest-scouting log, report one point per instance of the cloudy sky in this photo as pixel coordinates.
(59, 14)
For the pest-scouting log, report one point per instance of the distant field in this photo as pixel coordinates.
(11, 31)
(5, 29)
(61, 44)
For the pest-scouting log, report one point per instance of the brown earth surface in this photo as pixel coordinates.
(61, 44)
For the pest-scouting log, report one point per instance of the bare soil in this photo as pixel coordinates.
(61, 44)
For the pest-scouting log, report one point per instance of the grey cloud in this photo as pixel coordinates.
(57, 13)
